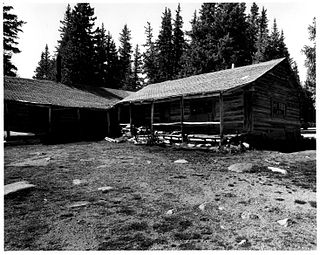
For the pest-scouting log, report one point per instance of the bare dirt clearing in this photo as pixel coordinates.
(147, 201)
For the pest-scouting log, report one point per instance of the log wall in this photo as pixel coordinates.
(276, 87)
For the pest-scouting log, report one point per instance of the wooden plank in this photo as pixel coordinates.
(182, 117)
(119, 113)
(50, 119)
(152, 118)
(221, 116)
(131, 118)
(7, 124)
(108, 123)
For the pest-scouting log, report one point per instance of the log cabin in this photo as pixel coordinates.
(259, 100)
(58, 112)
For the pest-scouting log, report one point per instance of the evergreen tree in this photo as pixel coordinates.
(113, 65)
(165, 48)
(253, 30)
(276, 47)
(262, 40)
(149, 56)
(178, 43)
(76, 46)
(64, 48)
(46, 67)
(136, 81)
(100, 56)
(310, 62)
(11, 28)
(125, 52)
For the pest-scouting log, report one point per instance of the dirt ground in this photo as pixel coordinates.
(155, 203)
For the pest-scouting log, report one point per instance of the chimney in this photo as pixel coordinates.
(58, 64)
(232, 65)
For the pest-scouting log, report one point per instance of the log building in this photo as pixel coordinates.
(260, 99)
(59, 112)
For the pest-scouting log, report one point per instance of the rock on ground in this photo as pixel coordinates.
(240, 167)
(181, 161)
(17, 186)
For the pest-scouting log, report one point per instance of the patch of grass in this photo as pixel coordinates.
(189, 246)
(187, 236)
(137, 241)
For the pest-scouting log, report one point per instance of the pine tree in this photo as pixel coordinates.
(149, 56)
(11, 28)
(310, 62)
(253, 30)
(46, 66)
(178, 43)
(136, 81)
(165, 48)
(64, 48)
(276, 47)
(100, 56)
(262, 40)
(113, 64)
(125, 52)
(76, 46)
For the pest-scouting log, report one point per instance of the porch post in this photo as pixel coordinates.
(108, 122)
(79, 123)
(50, 119)
(182, 118)
(131, 120)
(221, 116)
(7, 124)
(151, 120)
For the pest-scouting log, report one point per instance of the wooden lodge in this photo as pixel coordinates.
(58, 112)
(259, 100)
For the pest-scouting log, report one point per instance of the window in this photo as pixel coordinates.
(278, 109)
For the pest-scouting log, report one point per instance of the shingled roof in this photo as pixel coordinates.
(53, 93)
(203, 83)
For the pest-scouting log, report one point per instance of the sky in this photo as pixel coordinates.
(43, 22)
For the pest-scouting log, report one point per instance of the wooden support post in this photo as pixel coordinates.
(50, 120)
(221, 116)
(182, 119)
(119, 113)
(79, 122)
(108, 123)
(151, 119)
(6, 120)
(131, 119)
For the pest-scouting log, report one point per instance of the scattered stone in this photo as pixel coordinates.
(170, 212)
(32, 162)
(105, 189)
(148, 162)
(284, 222)
(246, 145)
(242, 242)
(17, 186)
(101, 166)
(181, 161)
(278, 170)
(240, 167)
(78, 204)
(202, 206)
(78, 182)
(222, 227)
(220, 208)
